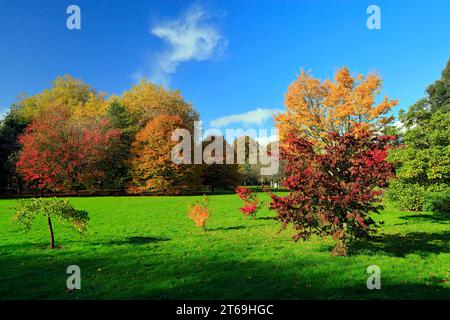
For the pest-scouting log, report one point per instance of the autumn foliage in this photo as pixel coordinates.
(152, 168)
(315, 107)
(145, 101)
(333, 191)
(199, 213)
(79, 139)
(251, 201)
(59, 154)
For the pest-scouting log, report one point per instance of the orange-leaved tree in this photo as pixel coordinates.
(199, 213)
(152, 168)
(315, 107)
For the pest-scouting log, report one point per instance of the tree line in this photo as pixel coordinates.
(340, 151)
(70, 138)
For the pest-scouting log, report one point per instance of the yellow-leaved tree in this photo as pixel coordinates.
(75, 96)
(315, 107)
(146, 100)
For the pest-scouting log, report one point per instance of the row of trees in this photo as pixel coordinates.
(71, 137)
(334, 136)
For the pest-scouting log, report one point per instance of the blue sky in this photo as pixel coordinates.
(248, 54)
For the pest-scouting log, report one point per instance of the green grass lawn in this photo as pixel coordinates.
(147, 248)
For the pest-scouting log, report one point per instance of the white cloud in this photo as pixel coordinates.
(190, 37)
(399, 125)
(257, 117)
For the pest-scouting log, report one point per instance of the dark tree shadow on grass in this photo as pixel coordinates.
(240, 227)
(121, 274)
(437, 217)
(267, 218)
(43, 246)
(255, 280)
(227, 228)
(398, 245)
(39, 246)
(138, 240)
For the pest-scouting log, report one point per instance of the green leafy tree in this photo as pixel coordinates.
(250, 174)
(439, 92)
(225, 176)
(118, 172)
(28, 209)
(11, 126)
(219, 175)
(249, 170)
(216, 173)
(423, 161)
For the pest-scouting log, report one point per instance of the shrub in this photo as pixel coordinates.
(437, 201)
(407, 196)
(28, 209)
(251, 201)
(199, 213)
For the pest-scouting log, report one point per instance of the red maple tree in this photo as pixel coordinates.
(333, 189)
(61, 154)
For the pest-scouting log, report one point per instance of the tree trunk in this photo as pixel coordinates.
(19, 186)
(212, 189)
(52, 237)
